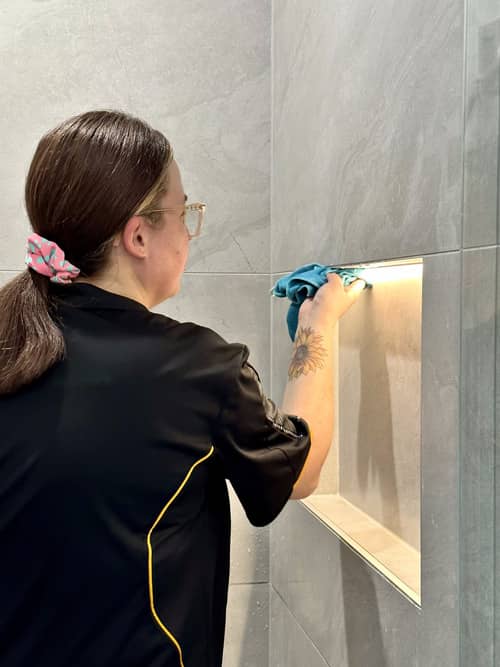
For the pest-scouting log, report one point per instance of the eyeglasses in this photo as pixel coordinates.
(192, 214)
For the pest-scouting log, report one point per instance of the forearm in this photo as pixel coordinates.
(310, 394)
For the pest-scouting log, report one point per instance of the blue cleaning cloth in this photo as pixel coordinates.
(303, 283)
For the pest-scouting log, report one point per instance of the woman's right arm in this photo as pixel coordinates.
(309, 393)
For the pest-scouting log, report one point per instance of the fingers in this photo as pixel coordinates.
(355, 288)
(334, 278)
(357, 285)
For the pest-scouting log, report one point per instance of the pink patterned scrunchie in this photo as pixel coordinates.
(47, 258)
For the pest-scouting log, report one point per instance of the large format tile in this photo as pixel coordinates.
(482, 110)
(247, 628)
(438, 642)
(198, 72)
(249, 547)
(289, 646)
(497, 461)
(352, 614)
(367, 131)
(477, 459)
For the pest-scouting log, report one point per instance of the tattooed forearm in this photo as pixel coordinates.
(308, 353)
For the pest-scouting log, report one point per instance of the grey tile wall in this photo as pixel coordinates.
(289, 646)
(6, 276)
(482, 117)
(315, 597)
(438, 636)
(367, 130)
(477, 458)
(480, 500)
(497, 461)
(353, 616)
(368, 163)
(247, 628)
(197, 72)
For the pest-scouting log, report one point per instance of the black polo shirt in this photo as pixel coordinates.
(114, 514)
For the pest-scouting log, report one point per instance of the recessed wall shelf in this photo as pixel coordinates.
(370, 491)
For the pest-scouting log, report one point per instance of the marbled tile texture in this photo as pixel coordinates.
(351, 614)
(367, 130)
(198, 72)
(482, 112)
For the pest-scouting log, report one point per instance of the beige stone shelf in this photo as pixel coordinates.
(393, 557)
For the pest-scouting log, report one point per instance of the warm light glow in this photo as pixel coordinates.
(379, 274)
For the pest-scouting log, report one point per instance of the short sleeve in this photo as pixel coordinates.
(262, 449)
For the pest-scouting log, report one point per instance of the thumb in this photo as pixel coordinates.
(356, 287)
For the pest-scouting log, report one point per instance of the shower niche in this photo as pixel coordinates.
(369, 492)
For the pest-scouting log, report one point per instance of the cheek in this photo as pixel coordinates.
(171, 251)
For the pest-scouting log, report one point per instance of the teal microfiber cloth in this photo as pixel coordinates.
(303, 283)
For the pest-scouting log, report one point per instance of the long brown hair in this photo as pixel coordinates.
(88, 176)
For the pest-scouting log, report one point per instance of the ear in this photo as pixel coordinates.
(135, 237)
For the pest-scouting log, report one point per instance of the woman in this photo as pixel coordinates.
(120, 426)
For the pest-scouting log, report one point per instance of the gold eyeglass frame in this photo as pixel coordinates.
(197, 206)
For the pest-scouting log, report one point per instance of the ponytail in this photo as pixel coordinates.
(88, 176)
(30, 340)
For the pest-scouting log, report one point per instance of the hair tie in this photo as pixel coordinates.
(47, 258)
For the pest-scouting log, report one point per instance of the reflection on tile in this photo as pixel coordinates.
(235, 306)
(206, 87)
(289, 644)
(247, 628)
(366, 130)
(482, 123)
(379, 405)
(249, 547)
(438, 641)
(280, 359)
(351, 613)
(477, 461)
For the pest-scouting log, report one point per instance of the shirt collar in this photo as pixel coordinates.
(85, 295)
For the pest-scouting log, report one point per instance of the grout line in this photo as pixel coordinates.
(298, 623)
(441, 253)
(480, 247)
(286, 271)
(271, 151)
(458, 462)
(248, 583)
(464, 119)
(223, 273)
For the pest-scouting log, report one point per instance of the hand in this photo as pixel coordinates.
(331, 301)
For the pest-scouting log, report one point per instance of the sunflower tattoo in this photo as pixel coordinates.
(308, 353)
